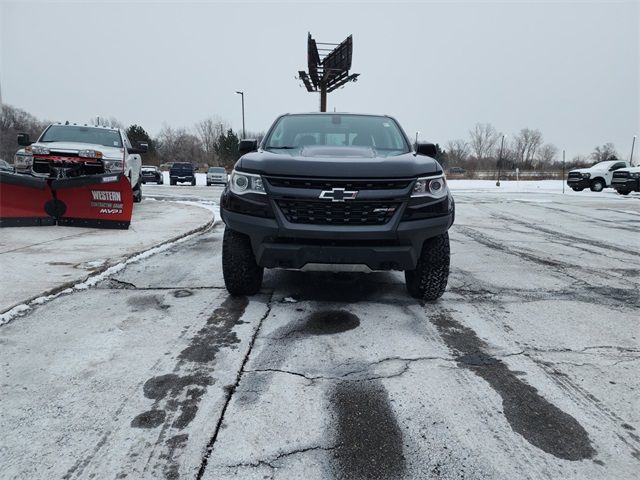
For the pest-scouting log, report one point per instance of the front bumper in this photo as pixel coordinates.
(278, 243)
(626, 185)
(579, 182)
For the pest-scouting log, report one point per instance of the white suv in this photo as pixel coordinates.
(71, 150)
(596, 177)
(217, 175)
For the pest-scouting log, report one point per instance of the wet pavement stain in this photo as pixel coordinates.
(159, 387)
(218, 333)
(176, 443)
(322, 322)
(182, 293)
(329, 322)
(149, 419)
(176, 396)
(539, 422)
(147, 302)
(368, 438)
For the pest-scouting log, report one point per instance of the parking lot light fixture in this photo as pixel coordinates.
(243, 130)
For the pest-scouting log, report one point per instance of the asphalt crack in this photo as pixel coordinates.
(230, 391)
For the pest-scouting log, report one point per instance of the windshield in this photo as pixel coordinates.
(77, 134)
(297, 131)
(216, 170)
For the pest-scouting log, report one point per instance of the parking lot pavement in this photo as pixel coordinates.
(526, 368)
(39, 261)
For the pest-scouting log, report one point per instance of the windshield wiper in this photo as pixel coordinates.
(284, 147)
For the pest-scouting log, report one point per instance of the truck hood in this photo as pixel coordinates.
(337, 162)
(73, 147)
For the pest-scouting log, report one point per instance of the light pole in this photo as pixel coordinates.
(417, 133)
(633, 144)
(500, 160)
(243, 131)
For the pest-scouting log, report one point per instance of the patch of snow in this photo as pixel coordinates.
(91, 281)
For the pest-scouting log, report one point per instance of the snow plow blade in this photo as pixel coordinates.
(97, 201)
(25, 201)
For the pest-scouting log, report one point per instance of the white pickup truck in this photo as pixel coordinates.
(626, 180)
(65, 150)
(596, 177)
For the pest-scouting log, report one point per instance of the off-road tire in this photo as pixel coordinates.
(242, 275)
(172, 181)
(576, 189)
(429, 279)
(597, 185)
(193, 183)
(624, 192)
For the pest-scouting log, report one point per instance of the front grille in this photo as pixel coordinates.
(620, 174)
(70, 168)
(63, 154)
(326, 184)
(575, 175)
(338, 213)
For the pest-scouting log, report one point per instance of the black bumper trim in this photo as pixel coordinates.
(399, 249)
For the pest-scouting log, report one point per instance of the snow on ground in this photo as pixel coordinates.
(40, 261)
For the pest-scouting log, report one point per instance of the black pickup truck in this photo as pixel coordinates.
(182, 172)
(341, 192)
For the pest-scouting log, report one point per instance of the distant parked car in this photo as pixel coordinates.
(22, 161)
(152, 174)
(457, 170)
(6, 166)
(597, 177)
(217, 175)
(182, 172)
(626, 180)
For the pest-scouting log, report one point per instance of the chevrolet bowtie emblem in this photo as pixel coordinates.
(338, 194)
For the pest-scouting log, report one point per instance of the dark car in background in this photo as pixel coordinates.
(182, 172)
(151, 174)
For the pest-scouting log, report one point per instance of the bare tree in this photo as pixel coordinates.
(209, 131)
(604, 152)
(525, 145)
(457, 151)
(14, 121)
(178, 145)
(547, 154)
(483, 139)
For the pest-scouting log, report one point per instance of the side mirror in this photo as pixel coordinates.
(247, 146)
(428, 149)
(23, 139)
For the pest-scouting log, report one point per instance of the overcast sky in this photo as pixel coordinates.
(570, 69)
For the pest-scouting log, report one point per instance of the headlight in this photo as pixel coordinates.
(242, 183)
(634, 174)
(89, 154)
(586, 175)
(430, 186)
(38, 150)
(23, 160)
(112, 165)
